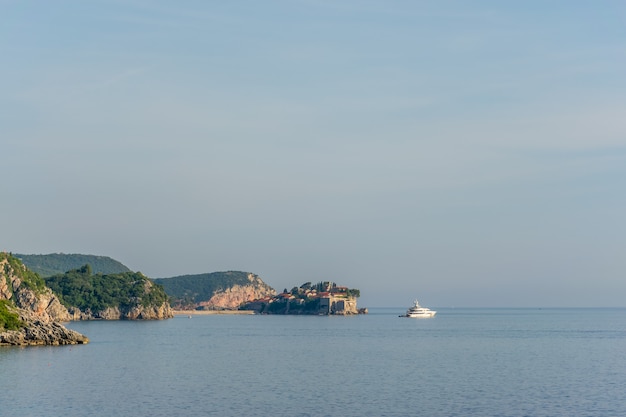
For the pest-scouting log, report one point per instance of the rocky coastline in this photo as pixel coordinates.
(37, 308)
(31, 313)
(39, 332)
(136, 312)
(216, 291)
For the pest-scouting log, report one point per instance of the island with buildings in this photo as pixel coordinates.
(34, 302)
(323, 298)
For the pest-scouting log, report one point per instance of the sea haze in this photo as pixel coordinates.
(464, 362)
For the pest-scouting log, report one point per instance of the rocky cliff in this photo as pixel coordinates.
(233, 297)
(38, 309)
(27, 292)
(215, 290)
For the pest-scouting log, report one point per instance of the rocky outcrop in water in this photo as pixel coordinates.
(323, 298)
(37, 308)
(38, 332)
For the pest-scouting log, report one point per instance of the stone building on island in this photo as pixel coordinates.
(324, 298)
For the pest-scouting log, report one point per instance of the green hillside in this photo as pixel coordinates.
(58, 263)
(27, 277)
(191, 289)
(95, 292)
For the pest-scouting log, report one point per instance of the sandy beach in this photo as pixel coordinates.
(208, 312)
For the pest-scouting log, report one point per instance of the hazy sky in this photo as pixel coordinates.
(462, 153)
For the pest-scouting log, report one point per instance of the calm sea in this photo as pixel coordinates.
(464, 362)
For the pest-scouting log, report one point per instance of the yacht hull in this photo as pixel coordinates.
(419, 312)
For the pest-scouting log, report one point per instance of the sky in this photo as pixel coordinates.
(467, 154)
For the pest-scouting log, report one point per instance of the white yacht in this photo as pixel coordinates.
(419, 312)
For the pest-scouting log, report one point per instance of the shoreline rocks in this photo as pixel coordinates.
(136, 312)
(39, 332)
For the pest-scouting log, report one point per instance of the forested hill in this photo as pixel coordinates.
(126, 295)
(59, 263)
(192, 291)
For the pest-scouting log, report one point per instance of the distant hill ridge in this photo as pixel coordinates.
(215, 290)
(59, 263)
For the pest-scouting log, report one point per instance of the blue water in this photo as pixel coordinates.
(464, 362)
